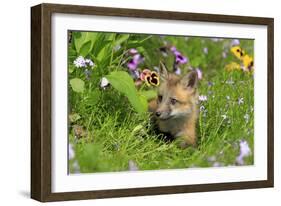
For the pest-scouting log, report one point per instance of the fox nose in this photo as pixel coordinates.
(158, 113)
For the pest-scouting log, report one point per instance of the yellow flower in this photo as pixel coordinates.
(238, 52)
(232, 66)
(152, 79)
(248, 62)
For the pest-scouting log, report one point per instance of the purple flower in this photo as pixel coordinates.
(235, 42)
(180, 59)
(133, 51)
(245, 151)
(134, 62)
(173, 49)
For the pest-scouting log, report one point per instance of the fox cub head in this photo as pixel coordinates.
(177, 96)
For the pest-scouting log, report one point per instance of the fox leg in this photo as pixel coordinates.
(187, 137)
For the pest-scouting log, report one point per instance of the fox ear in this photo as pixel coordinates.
(190, 80)
(163, 71)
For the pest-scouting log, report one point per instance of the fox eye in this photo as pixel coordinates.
(173, 101)
(160, 97)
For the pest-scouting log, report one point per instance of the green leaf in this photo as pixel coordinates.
(123, 83)
(148, 94)
(80, 38)
(122, 38)
(71, 68)
(85, 49)
(137, 43)
(77, 85)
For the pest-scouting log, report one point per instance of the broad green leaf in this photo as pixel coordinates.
(77, 85)
(85, 48)
(123, 83)
(93, 98)
(80, 38)
(148, 94)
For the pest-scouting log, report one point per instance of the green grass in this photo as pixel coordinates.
(114, 134)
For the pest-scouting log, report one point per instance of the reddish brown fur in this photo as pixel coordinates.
(179, 119)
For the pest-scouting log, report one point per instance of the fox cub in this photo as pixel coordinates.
(175, 109)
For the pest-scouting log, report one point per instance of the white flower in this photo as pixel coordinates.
(202, 108)
(117, 47)
(240, 101)
(79, 62)
(247, 117)
(228, 97)
(245, 151)
(178, 71)
(89, 62)
(224, 116)
(199, 73)
(202, 98)
(104, 83)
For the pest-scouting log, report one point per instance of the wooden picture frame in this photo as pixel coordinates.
(41, 96)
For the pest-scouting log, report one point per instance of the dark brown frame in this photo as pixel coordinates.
(41, 101)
